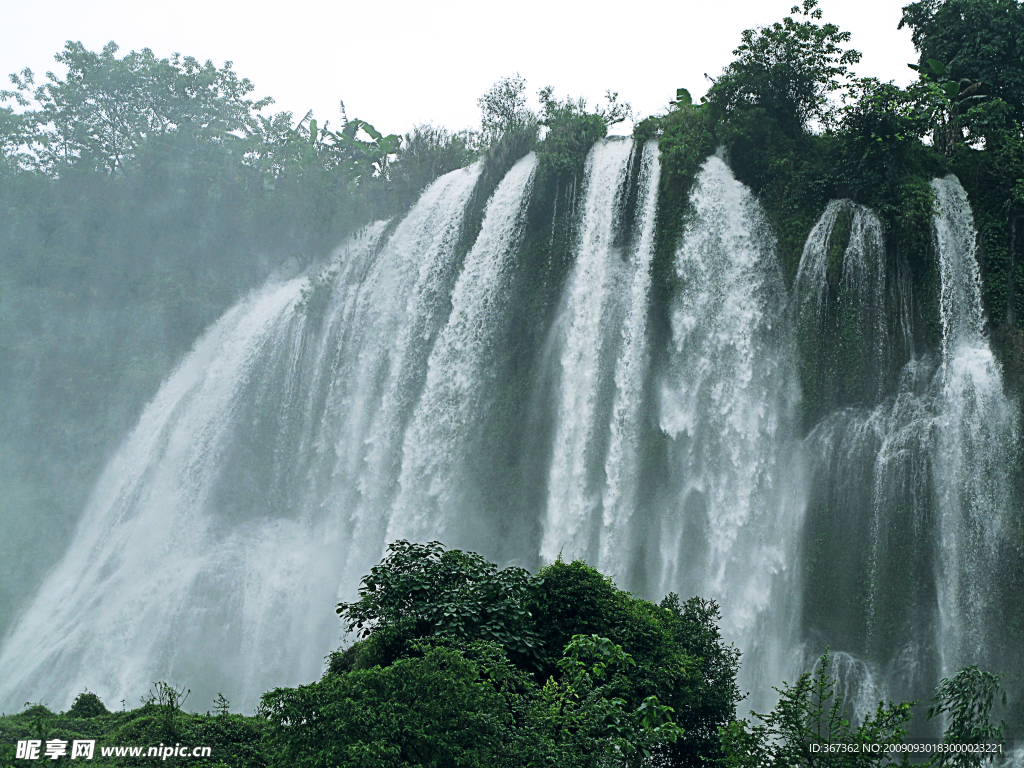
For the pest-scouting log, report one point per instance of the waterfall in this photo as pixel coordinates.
(728, 404)
(593, 309)
(460, 373)
(258, 478)
(978, 438)
(854, 311)
(621, 469)
(133, 593)
(910, 483)
(409, 299)
(788, 453)
(603, 362)
(867, 537)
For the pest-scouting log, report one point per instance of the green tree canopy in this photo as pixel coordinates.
(423, 589)
(106, 106)
(790, 69)
(975, 40)
(596, 652)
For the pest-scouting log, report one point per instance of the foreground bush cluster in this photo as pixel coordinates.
(464, 665)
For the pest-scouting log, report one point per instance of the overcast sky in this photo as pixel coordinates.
(396, 63)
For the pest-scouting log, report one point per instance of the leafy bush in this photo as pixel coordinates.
(810, 716)
(570, 629)
(966, 701)
(105, 107)
(788, 69)
(572, 129)
(503, 107)
(437, 708)
(87, 705)
(420, 590)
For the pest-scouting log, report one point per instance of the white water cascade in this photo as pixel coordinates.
(460, 374)
(629, 401)
(978, 438)
(602, 367)
(729, 404)
(255, 481)
(910, 495)
(622, 464)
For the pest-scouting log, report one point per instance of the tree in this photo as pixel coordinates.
(588, 660)
(87, 704)
(422, 589)
(428, 152)
(168, 701)
(808, 727)
(106, 106)
(966, 701)
(438, 707)
(221, 706)
(790, 69)
(503, 107)
(973, 40)
(678, 650)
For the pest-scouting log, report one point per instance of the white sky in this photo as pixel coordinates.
(397, 62)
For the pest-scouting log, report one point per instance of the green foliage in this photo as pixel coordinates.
(966, 700)
(437, 708)
(105, 107)
(221, 706)
(428, 152)
(503, 107)
(788, 69)
(167, 701)
(808, 727)
(572, 129)
(422, 589)
(235, 741)
(465, 704)
(582, 707)
(678, 651)
(87, 705)
(687, 138)
(357, 158)
(972, 41)
(608, 677)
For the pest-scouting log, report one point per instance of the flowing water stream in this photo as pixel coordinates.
(790, 453)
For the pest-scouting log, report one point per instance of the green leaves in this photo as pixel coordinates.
(422, 589)
(106, 106)
(789, 69)
(682, 99)
(966, 699)
(808, 726)
(809, 716)
(623, 679)
(444, 706)
(973, 50)
(358, 158)
(107, 109)
(503, 107)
